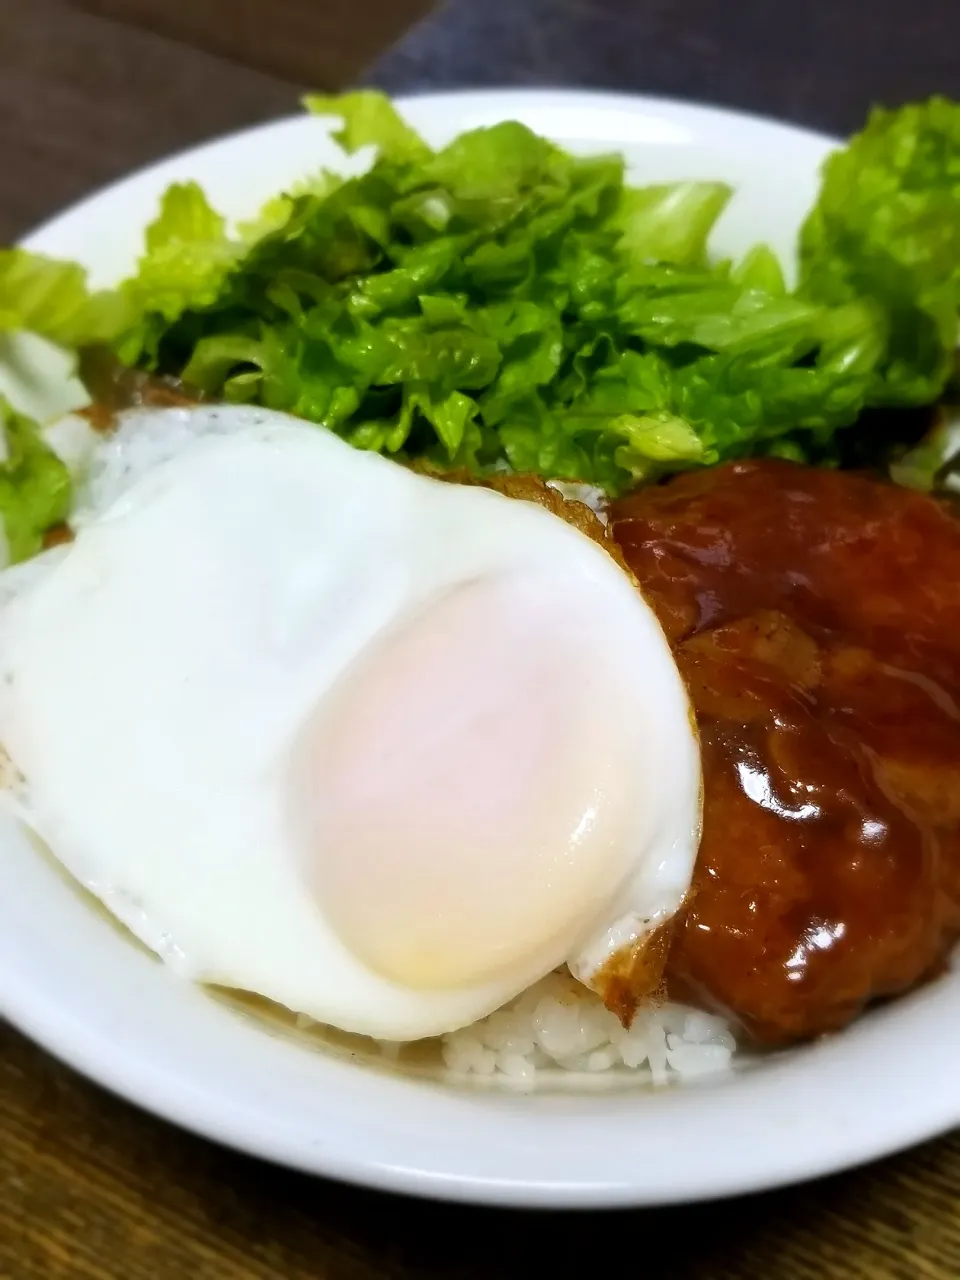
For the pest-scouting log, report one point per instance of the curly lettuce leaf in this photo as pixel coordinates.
(35, 486)
(52, 299)
(671, 222)
(369, 119)
(495, 163)
(188, 255)
(760, 269)
(886, 230)
(727, 317)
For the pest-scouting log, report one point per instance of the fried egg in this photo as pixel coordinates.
(381, 749)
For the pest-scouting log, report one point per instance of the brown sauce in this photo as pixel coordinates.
(113, 387)
(816, 618)
(57, 535)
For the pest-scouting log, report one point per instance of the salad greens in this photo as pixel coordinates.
(501, 302)
(34, 484)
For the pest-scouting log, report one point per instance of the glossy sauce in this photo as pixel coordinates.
(816, 618)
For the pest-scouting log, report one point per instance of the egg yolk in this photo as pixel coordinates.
(466, 795)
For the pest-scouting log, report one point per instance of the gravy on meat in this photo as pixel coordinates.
(816, 618)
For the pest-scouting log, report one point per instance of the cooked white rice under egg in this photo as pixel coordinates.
(558, 1025)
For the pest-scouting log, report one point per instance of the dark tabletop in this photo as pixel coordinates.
(821, 63)
(90, 1187)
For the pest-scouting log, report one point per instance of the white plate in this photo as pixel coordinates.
(74, 984)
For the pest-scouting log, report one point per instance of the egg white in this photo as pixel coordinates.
(230, 564)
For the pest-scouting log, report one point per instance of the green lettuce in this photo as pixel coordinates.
(187, 260)
(886, 229)
(35, 487)
(53, 299)
(369, 119)
(501, 302)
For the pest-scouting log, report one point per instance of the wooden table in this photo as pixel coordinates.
(91, 1188)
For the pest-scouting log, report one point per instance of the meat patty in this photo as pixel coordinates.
(816, 618)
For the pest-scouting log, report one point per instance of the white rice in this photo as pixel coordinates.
(558, 1026)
